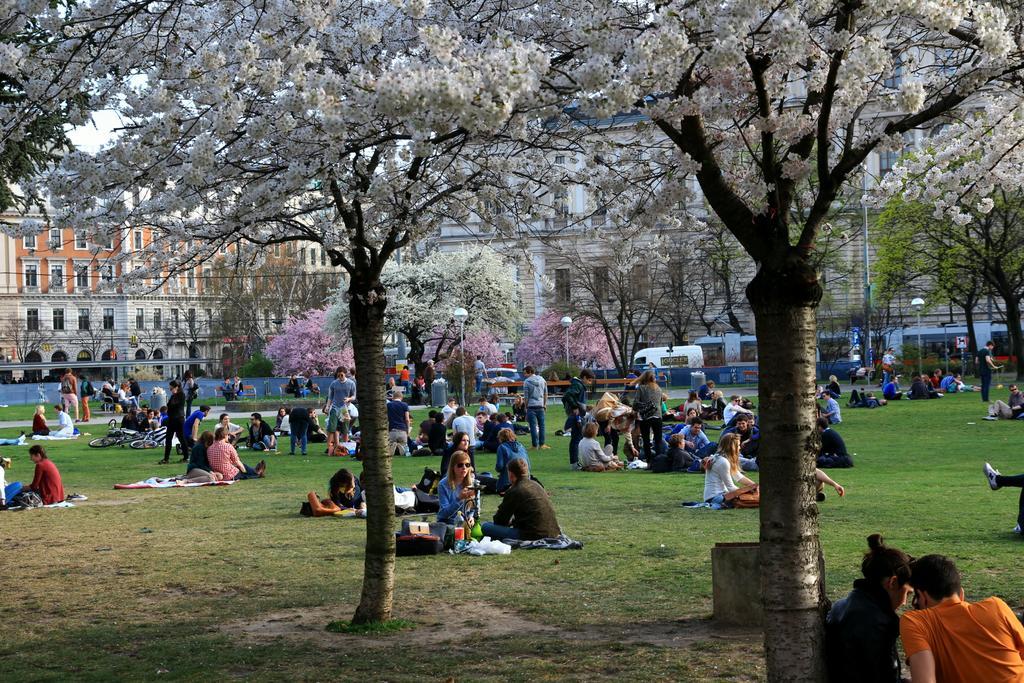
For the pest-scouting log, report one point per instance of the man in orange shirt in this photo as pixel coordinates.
(950, 640)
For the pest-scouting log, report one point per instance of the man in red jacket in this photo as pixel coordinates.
(46, 481)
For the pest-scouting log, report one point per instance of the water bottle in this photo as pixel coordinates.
(460, 532)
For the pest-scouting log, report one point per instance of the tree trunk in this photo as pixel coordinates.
(1016, 338)
(366, 307)
(416, 350)
(784, 301)
(972, 338)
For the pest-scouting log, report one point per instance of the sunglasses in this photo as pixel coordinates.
(462, 464)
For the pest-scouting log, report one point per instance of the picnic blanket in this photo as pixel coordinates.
(562, 542)
(169, 483)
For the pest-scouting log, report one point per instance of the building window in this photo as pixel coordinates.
(30, 241)
(81, 277)
(562, 286)
(32, 319)
(323, 257)
(209, 316)
(886, 160)
(601, 284)
(83, 318)
(81, 241)
(56, 277)
(559, 159)
(192, 317)
(137, 236)
(31, 275)
(277, 250)
(140, 318)
(174, 318)
(108, 318)
(105, 240)
(312, 256)
(56, 241)
(157, 318)
(302, 256)
(894, 81)
(107, 273)
(58, 318)
(207, 278)
(190, 279)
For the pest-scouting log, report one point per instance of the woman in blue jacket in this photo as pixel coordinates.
(508, 450)
(455, 492)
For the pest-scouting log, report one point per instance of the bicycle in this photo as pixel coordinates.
(151, 439)
(116, 437)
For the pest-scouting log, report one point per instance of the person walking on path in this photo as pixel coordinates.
(69, 391)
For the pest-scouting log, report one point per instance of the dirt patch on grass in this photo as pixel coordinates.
(475, 620)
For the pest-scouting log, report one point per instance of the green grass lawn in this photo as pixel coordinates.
(231, 582)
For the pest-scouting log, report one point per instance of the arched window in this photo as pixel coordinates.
(33, 357)
(84, 355)
(158, 353)
(59, 357)
(109, 354)
(140, 355)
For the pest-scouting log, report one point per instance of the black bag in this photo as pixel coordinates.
(426, 502)
(409, 545)
(428, 482)
(26, 499)
(646, 410)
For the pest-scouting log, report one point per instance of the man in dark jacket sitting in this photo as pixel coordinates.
(261, 435)
(833, 451)
(525, 512)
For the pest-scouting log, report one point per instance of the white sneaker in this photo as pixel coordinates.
(991, 418)
(1016, 529)
(991, 473)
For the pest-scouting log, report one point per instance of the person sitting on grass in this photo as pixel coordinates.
(460, 442)
(224, 459)
(46, 482)
(833, 449)
(831, 409)
(198, 468)
(455, 491)
(1001, 410)
(705, 391)
(508, 450)
(946, 638)
(861, 629)
(594, 458)
(437, 435)
(7, 491)
(131, 421)
(525, 512)
(921, 388)
(734, 409)
(344, 494)
(891, 389)
(832, 388)
(39, 427)
(65, 426)
(233, 430)
(750, 441)
(281, 422)
(261, 436)
(680, 459)
(723, 471)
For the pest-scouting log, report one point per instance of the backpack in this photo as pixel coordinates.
(87, 389)
(65, 386)
(193, 391)
(27, 499)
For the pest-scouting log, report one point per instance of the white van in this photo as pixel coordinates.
(670, 357)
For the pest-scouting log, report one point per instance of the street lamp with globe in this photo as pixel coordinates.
(566, 323)
(917, 304)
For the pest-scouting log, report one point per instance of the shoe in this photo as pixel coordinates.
(559, 432)
(183, 460)
(545, 447)
(1016, 529)
(291, 453)
(820, 497)
(261, 467)
(991, 473)
(163, 462)
(575, 467)
(990, 418)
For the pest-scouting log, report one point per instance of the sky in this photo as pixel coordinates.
(91, 137)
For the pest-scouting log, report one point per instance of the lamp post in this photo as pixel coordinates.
(917, 304)
(566, 323)
(461, 315)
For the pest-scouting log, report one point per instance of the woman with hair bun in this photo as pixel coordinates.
(861, 629)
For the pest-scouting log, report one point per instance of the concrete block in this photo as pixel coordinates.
(736, 584)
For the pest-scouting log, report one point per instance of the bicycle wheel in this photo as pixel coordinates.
(144, 443)
(104, 441)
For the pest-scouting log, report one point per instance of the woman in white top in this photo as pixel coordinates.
(724, 473)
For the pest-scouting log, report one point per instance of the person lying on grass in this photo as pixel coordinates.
(224, 459)
(7, 491)
(861, 629)
(345, 495)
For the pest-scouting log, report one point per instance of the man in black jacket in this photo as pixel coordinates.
(833, 449)
(525, 512)
(261, 435)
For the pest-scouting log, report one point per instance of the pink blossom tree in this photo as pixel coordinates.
(544, 344)
(306, 347)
